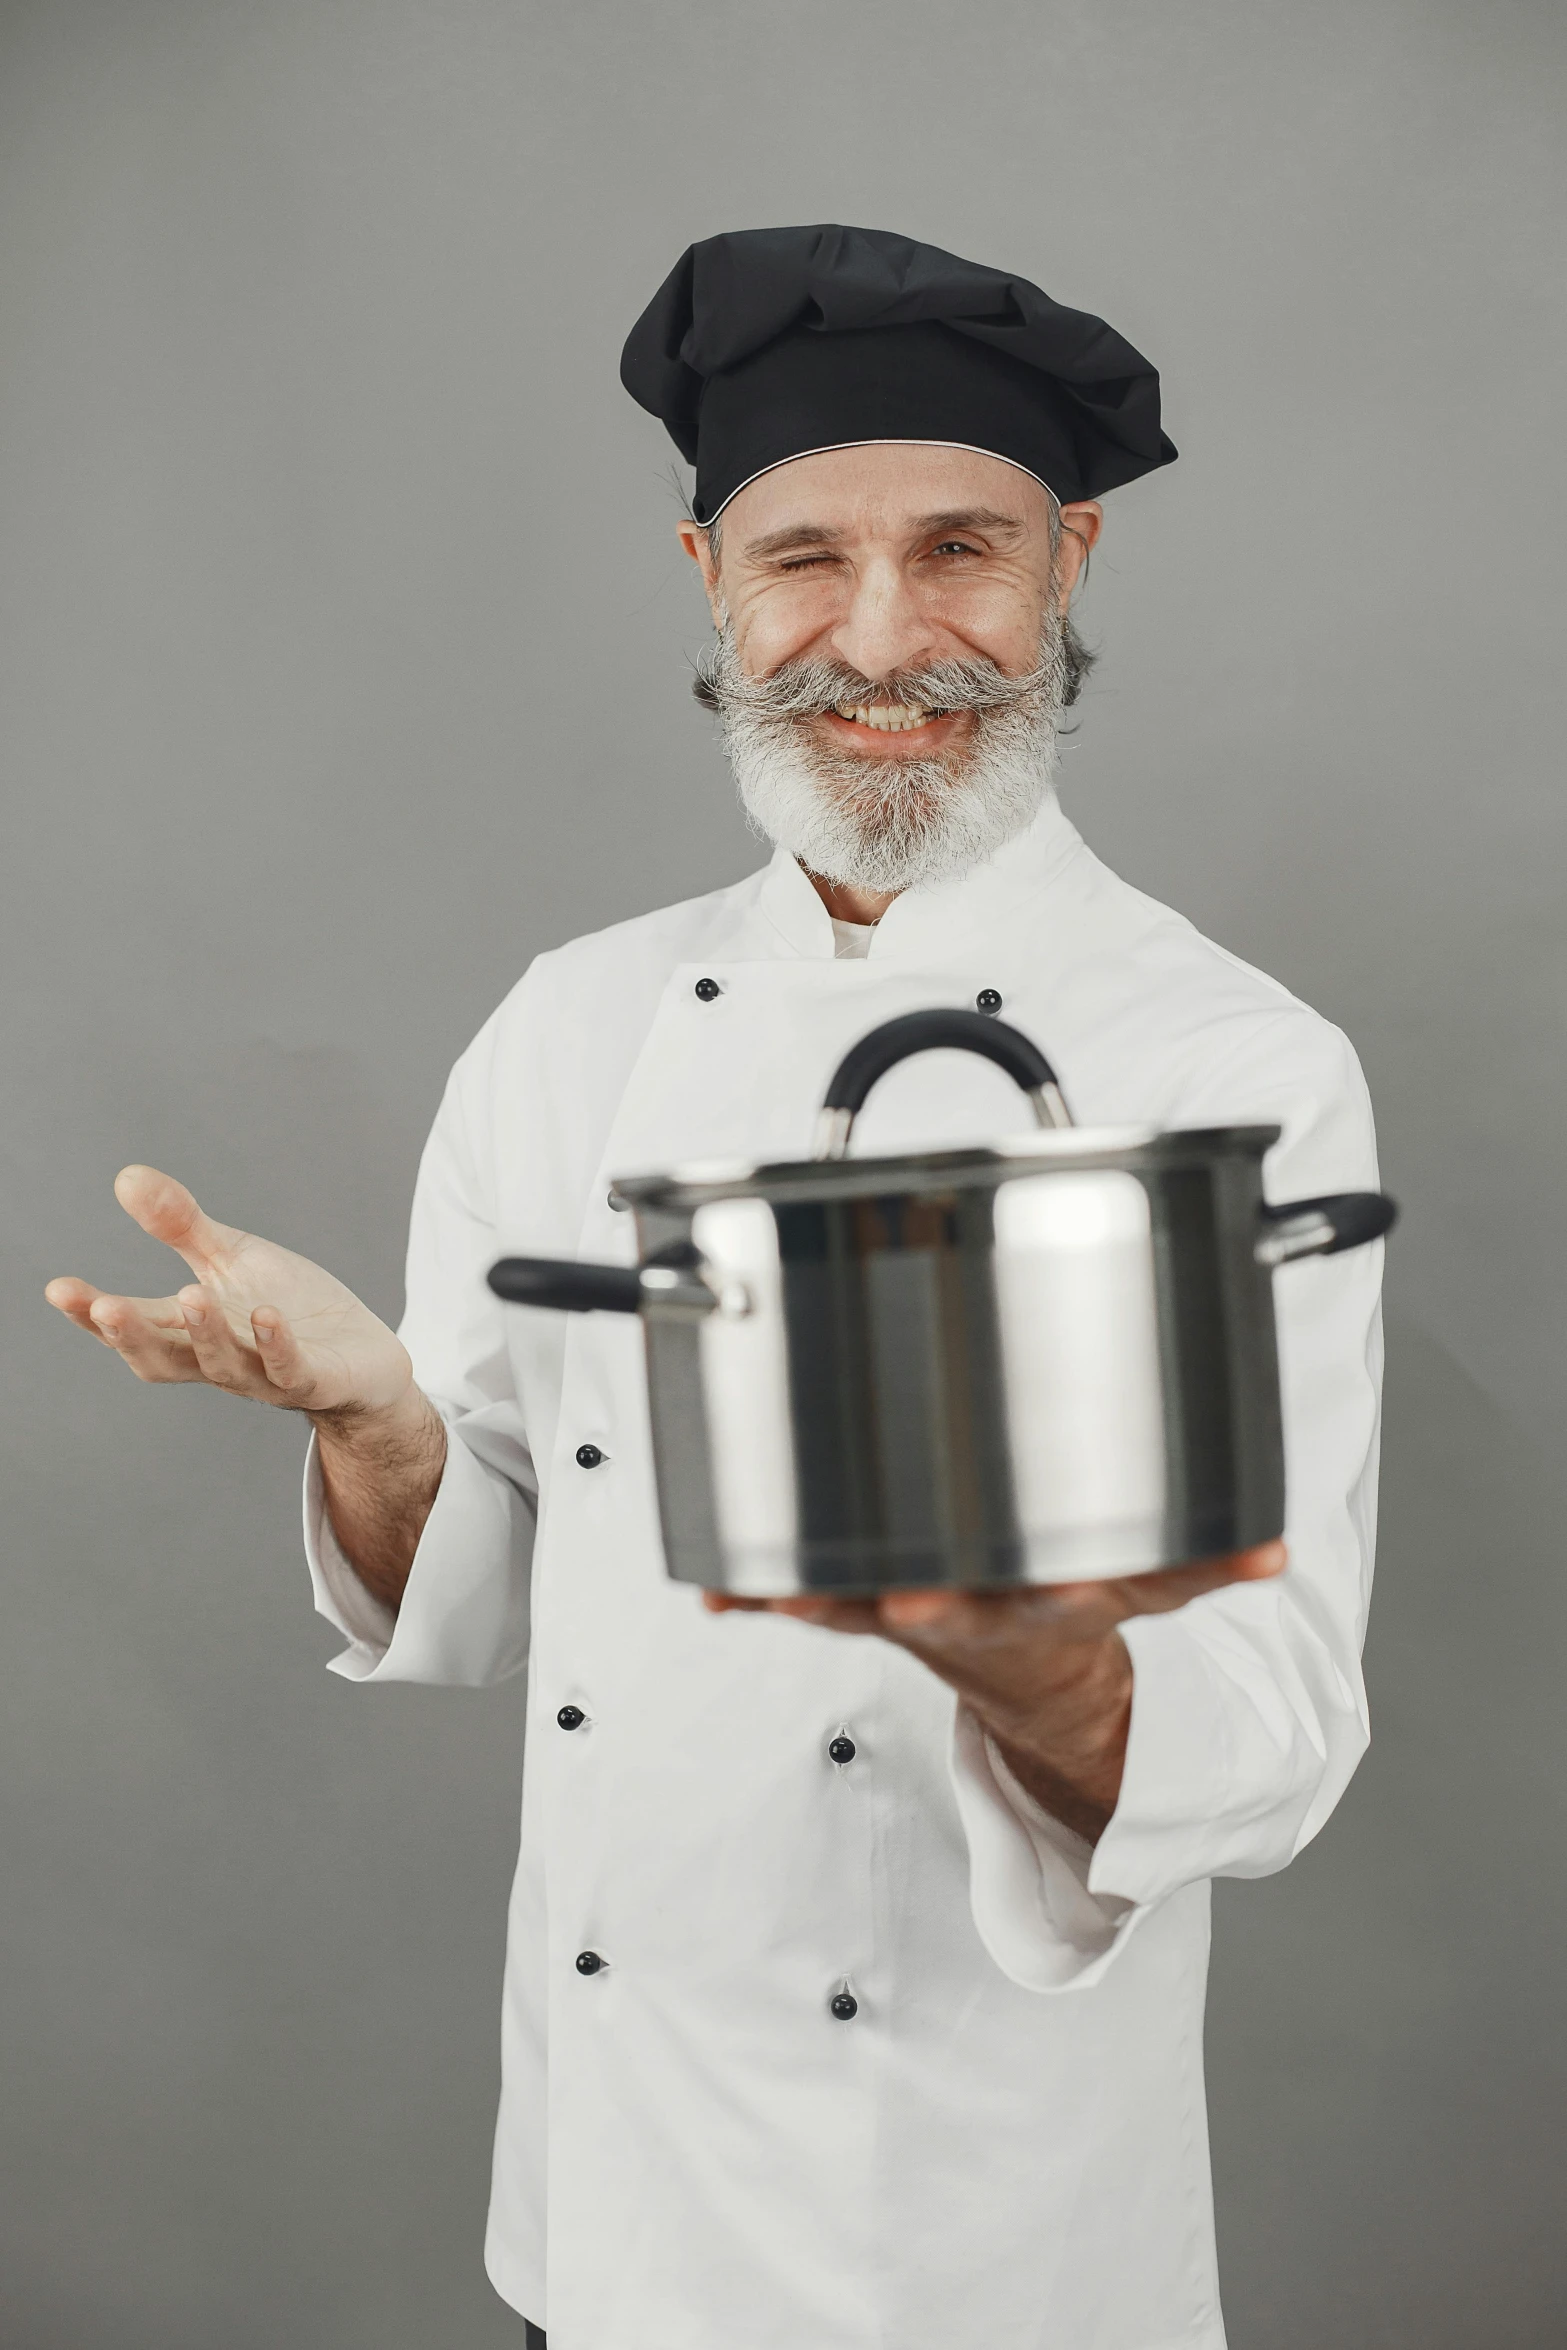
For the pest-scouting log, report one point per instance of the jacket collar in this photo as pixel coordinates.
(930, 924)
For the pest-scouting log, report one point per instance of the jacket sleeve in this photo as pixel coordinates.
(1248, 1706)
(464, 1615)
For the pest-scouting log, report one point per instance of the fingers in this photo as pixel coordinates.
(261, 1360)
(1080, 1607)
(1172, 1587)
(190, 1338)
(938, 1619)
(147, 1328)
(909, 1617)
(74, 1299)
(167, 1210)
(146, 1333)
(1254, 1566)
(220, 1357)
(974, 1619)
(834, 1615)
(918, 1611)
(277, 1351)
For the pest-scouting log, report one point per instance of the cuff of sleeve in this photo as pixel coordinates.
(463, 1619)
(1178, 1768)
(339, 1594)
(1034, 1907)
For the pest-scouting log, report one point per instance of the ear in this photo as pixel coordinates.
(694, 539)
(1081, 524)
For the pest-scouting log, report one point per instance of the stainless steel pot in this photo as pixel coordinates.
(1050, 1360)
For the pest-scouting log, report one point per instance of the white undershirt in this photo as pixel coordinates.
(851, 941)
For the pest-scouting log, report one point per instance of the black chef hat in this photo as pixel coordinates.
(769, 343)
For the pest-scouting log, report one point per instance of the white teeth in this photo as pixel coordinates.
(885, 717)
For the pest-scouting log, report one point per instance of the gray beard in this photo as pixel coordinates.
(888, 824)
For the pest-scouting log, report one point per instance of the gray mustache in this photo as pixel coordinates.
(810, 688)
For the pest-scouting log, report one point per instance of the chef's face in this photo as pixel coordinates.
(884, 561)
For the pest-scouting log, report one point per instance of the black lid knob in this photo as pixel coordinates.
(988, 1000)
(588, 1456)
(588, 1962)
(706, 989)
(571, 1717)
(844, 2004)
(842, 1750)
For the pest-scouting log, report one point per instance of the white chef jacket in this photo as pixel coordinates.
(1007, 2144)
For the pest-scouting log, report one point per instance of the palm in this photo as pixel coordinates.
(256, 1320)
(337, 1336)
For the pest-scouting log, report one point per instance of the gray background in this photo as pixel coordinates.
(344, 653)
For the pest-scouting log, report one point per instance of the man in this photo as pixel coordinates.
(855, 1984)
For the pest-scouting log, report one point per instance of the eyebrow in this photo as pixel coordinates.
(988, 519)
(791, 539)
(795, 537)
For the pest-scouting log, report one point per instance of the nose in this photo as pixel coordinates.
(883, 629)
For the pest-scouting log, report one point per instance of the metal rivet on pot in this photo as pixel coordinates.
(706, 989)
(988, 1000)
(588, 1456)
(842, 1750)
(571, 1717)
(844, 2005)
(588, 1962)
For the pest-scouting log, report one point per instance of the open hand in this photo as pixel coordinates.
(256, 1321)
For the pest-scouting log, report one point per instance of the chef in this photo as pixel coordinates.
(855, 1981)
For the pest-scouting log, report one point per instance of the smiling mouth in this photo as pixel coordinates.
(887, 717)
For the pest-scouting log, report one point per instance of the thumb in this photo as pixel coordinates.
(169, 1212)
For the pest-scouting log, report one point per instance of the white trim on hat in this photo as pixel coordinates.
(892, 441)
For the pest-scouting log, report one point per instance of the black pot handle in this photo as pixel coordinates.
(924, 1032)
(671, 1286)
(1323, 1227)
(570, 1288)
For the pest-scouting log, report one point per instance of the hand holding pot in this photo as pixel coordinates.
(1037, 1364)
(1044, 1670)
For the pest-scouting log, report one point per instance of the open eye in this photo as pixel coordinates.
(954, 547)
